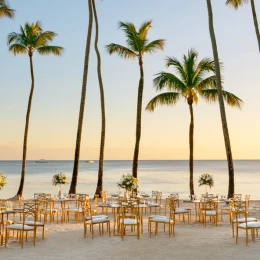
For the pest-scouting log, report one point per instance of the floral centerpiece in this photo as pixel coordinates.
(128, 182)
(59, 179)
(207, 180)
(2, 181)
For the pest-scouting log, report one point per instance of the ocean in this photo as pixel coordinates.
(171, 176)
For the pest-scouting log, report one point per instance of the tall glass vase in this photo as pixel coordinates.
(206, 191)
(59, 191)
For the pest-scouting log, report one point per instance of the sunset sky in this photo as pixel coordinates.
(58, 81)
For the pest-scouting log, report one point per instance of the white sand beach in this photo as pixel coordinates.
(191, 241)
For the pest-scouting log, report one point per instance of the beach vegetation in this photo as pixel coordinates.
(6, 10)
(31, 39)
(137, 45)
(2, 181)
(192, 80)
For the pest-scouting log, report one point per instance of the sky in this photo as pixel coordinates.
(165, 132)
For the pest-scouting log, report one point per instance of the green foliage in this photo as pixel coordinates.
(192, 80)
(206, 179)
(128, 182)
(236, 3)
(5, 10)
(59, 179)
(2, 181)
(32, 38)
(136, 41)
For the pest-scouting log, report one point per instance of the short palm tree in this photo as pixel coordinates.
(136, 46)
(74, 179)
(237, 3)
(29, 40)
(192, 80)
(5, 10)
(231, 177)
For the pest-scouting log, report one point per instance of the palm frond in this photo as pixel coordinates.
(143, 30)
(172, 61)
(211, 96)
(207, 83)
(121, 51)
(46, 50)
(168, 81)
(189, 65)
(44, 38)
(236, 3)
(232, 100)
(5, 10)
(17, 49)
(168, 98)
(154, 46)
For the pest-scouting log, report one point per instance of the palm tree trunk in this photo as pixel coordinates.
(82, 103)
(256, 23)
(191, 134)
(103, 116)
(231, 185)
(20, 190)
(138, 118)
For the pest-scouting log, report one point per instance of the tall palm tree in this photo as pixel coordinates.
(74, 178)
(102, 99)
(231, 182)
(5, 10)
(191, 82)
(237, 3)
(136, 45)
(29, 40)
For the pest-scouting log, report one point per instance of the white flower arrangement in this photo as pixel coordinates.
(206, 179)
(59, 179)
(128, 182)
(2, 181)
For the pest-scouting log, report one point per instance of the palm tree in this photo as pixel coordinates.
(136, 45)
(237, 3)
(74, 178)
(102, 99)
(191, 82)
(231, 182)
(29, 40)
(5, 10)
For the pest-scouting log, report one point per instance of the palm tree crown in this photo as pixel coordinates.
(5, 10)
(236, 3)
(136, 41)
(191, 83)
(32, 38)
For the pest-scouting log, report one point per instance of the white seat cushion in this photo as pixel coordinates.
(129, 221)
(20, 227)
(97, 216)
(250, 225)
(157, 216)
(211, 212)
(164, 220)
(97, 220)
(242, 220)
(181, 210)
(29, 223)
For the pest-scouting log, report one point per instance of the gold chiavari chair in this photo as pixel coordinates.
(241, 208)
(46, 208)
(76, 207)
(166, 220)
(91, 221)
(130, 217)
(237, 197)
(30, 210)
(210, 209)
(39, 196)
(240, 214)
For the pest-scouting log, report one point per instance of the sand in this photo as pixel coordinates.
(191, 241)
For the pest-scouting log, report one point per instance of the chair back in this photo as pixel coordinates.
(104, 196)
(240, 208)
(39, 196)
(237, 197)
(210, 204)
(157, 196)
(247, 200)
(30, 210)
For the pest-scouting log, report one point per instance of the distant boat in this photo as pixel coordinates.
(41, 161)
(90, 161)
